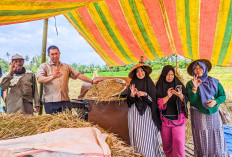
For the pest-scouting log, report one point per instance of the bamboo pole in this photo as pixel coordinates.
(43, 58)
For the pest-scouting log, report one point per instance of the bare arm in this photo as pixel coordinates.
(84, 78)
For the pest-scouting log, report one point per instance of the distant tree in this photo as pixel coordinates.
(8, 55)
(27, 58)
(4, 65)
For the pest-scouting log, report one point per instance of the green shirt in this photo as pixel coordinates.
(195, 99)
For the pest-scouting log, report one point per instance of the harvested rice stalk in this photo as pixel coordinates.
(106, 90)
(18, 125)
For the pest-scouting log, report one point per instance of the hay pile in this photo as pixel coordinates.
(18, 125)
(106, 90)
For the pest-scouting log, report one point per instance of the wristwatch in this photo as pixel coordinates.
(145, 94)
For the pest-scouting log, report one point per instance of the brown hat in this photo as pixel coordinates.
(190, 66)
(17, 56)
(140, 64)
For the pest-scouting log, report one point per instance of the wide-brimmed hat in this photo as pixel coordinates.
(140, 64)
(190, 66)
(17, 56)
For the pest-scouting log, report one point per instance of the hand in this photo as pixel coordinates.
(96, 81)
(170, 92)
(178, 92)
(133, 90)
(37, 108)
(141, 93)
(57, 73)
(12, 67)
(211, 103)
(196, 81)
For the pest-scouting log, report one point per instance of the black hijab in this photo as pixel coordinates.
(162, 87)
(146, 85)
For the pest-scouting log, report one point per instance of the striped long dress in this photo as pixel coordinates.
(144, 135)
(208, 134)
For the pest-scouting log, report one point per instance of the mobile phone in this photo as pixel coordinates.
(178, 87)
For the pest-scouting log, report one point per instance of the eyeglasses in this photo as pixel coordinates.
(54, 54)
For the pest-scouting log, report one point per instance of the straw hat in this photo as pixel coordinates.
(140, 64)
(190, 66)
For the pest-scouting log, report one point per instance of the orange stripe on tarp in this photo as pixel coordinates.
(122, 25)
(170, 7)
(87, 19)
(156, 19)
(208, 22)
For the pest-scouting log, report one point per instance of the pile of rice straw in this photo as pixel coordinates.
(18, 125)
(104, 90)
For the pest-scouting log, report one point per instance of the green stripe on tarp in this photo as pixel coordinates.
(111, 32)
(227, 37)
(32, 12)
(188, 31)
(142, 28)
(76, 23)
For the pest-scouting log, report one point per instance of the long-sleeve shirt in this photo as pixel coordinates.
(20, 89)
(195, 98)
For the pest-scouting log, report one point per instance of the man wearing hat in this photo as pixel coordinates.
(21, 88)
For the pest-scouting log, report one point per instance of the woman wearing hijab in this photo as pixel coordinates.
(172, 102)
(143, 115)
(205, 95)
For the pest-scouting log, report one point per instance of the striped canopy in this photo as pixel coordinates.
(123, 30)
(16, 11)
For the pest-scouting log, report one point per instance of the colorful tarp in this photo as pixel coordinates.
(123, 30)
(16, 11)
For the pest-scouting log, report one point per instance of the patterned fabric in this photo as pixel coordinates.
(17, 11)
(123, 30)
(144, 135)
(208, 135)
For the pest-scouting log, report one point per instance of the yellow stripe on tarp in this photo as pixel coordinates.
(89, 37)
(6, 19)
(35, 7)
(94, 14)
(167, 27)
(228, 58)
(147, 24)
(135, 29)
(180, 11)
(220, 29)
(117, 33)
(194, 7)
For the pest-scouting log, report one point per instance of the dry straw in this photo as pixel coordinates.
(18, 125)
(106, 90)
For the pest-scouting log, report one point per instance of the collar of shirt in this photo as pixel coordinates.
(52, 63)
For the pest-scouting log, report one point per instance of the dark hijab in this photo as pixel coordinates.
(146, 85)
(162, 87)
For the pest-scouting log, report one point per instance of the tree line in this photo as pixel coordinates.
(33, 63)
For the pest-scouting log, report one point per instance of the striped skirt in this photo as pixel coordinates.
(208, 134)
(144, 135)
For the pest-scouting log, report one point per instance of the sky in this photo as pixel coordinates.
(26, 39)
